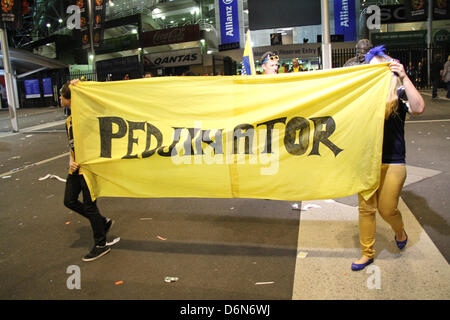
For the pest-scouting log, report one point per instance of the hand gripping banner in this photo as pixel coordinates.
(296, 136)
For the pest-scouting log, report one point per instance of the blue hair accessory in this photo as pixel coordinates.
(377, 51)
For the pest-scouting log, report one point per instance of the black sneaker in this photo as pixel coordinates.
(108, 224)
(97, 252)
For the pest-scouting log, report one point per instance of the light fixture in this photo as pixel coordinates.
(163, 17)
(91, 56)
(111, 4)
(171, 21)
(60, 20)
(134, 31)
(156, 11)
(48, 25)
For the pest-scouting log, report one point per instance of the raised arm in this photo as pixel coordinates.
(416, 102)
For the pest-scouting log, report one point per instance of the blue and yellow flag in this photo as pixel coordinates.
(248, 64)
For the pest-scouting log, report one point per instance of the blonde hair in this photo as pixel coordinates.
(392, 99)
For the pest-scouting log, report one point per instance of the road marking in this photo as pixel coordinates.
(424, 121)
(33, 165)
(31, 129)
(438, 97)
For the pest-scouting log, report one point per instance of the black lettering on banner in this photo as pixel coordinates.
(106, 134)
(157, 61)
(243, 131)
(188, 149)
(193, 56)
(197, 138)
(152, 131)
(270, 124)
(176, 139)
(296, 124)
(131, 140)
(216, 145)
(322, 135)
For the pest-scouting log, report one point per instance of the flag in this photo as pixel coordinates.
(293, 136)
(248, 63)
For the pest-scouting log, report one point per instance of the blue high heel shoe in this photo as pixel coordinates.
(358, 267)
(401, 244)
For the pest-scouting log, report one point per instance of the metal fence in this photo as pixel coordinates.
(89, 76)
(407, 55)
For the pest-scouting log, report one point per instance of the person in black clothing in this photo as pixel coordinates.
(435, 74)
(420, 76)
(75, 184)
(411, 72)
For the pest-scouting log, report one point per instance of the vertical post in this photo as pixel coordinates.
(91, 35)
(429, 40)
(10, 95)
(326, 45)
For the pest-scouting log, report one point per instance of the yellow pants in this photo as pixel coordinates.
(385, 200)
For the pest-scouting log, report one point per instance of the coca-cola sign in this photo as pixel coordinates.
(171, 35)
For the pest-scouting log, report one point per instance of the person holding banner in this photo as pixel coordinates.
(76, 184)
(403, 97)
(270, 62)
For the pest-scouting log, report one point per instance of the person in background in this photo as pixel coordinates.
(411, 72)
(296, 67)
(362, 47)
(3, 97)
(126, 77)
(403, 98)
(435, 74)
(420, 76)
(446, 76)
(147, 75)
(270, 62)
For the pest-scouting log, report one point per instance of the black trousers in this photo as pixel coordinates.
(434, 85)
(75, 184)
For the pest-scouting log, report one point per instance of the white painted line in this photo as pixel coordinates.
(425, 121)
(33, 165)
(34, 128)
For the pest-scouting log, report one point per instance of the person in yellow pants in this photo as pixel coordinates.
(403, 98)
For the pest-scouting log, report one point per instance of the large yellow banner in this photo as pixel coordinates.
(298, 136)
